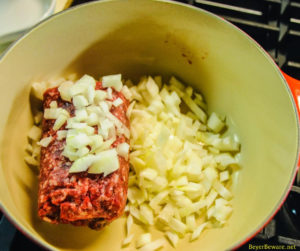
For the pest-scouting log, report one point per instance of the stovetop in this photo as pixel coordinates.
(274, 24)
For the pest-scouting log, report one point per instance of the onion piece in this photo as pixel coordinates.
(112, 81)
(38, 89)
(34, 133)
(127, 240)
(53, 104)
(59, 122)
(100, 95)
(81, 115)
(93, 119)
(158, 199)
(117, 102)
(82, 164)
(64, 90)
(123, 150)
(80, 101)
(177, 225)
(126, 92)
(109, 93)
(147, 214)
(215, 123)
(45, 141)
(81, 87)
(223, 191)
(195, 108)
(31, 161)
(129, 223)
(143, 240)
(224, 176)
(29, 148)
(106, 162)
(38, 118)
(54, 113)
(191, 222)
(173, 238)
(148, 173)
(61, 134)
(153, 245)
(195, 235)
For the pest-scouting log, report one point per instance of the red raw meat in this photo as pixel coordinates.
(79, 198)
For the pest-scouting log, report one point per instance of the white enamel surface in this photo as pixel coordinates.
(16, 16)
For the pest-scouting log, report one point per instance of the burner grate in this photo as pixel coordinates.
(275, 24)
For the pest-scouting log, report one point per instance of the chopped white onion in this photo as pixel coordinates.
(80, 101)
(38, 89)
(117, 102)
(173, 238)
(81, 114)
(127, 240)
(177, 225)
(105, 162)
(109, 93)
(93, 119)
(148, 173)
(34, 133)
(195, 108)
(126, 92)
(31, 161)
(60, 121)
(123, 150)
(82, 164)
(38, 118)
(129, 224)
(79, 140)
(191, 222)
(61, 134)
(147, 214)
(82, 86)
(113, 81)
(29, 148)
(143, 240)
(54, 113)
(36, 151)
(53, 104)
(177, 165)
(153, 245)
(198, 231)
(45, 141)
(224, 176)
(64, 90)
(215, 123)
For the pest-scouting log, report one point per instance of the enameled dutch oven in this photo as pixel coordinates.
(138, 37)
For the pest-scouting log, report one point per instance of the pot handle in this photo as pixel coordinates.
(294, 85)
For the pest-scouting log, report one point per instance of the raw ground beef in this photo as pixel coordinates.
(79, 198)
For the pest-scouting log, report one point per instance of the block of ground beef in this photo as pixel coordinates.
(81, 199)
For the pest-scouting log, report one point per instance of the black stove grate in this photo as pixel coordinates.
(274, 24)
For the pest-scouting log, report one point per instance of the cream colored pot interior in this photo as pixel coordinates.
(138, 37)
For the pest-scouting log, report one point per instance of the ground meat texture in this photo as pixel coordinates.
(79, 198)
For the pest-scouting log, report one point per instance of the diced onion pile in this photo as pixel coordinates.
(181, 163)
(91, 132)
(33, 149)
